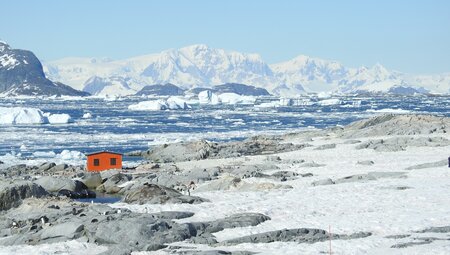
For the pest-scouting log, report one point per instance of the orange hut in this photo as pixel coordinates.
(103, 160)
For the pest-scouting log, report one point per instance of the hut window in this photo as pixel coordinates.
(96, 162)
(113, 161)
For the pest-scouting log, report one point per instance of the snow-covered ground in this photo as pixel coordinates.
(373, 206)
(68, 248)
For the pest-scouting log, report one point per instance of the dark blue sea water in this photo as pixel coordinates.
(115, 128)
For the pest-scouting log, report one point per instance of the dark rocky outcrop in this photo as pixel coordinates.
(39, 221)
(167, 89)
(21, 73)
(12, 194)
(155, 194)
(240, 89)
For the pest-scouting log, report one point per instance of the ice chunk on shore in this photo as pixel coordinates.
(20, 115)
(208, 97)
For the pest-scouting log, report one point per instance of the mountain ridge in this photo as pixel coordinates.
(202, 66)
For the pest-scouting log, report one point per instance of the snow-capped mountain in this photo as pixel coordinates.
(312, 73)
(202, 66)
(21, 74)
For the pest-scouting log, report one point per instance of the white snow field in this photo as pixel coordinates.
(384, 207)
(69, 248)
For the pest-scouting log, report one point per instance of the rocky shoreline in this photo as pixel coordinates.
(35, 204)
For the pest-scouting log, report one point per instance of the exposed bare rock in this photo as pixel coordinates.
(300, 235)
(12, 194)
(229, 182)
(395, 124)
(326, 146)
(198, 150)
(401, 143)
(155, 194)
(441, 163)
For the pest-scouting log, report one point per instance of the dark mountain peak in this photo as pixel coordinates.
(21, 73)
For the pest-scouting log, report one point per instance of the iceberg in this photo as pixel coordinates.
(208, 97)
(233, 98)
(62, 118)
(20, 115)
(155, 105)
(177, 103)
(172, 103)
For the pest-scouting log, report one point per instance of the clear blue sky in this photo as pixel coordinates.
(409, 36)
